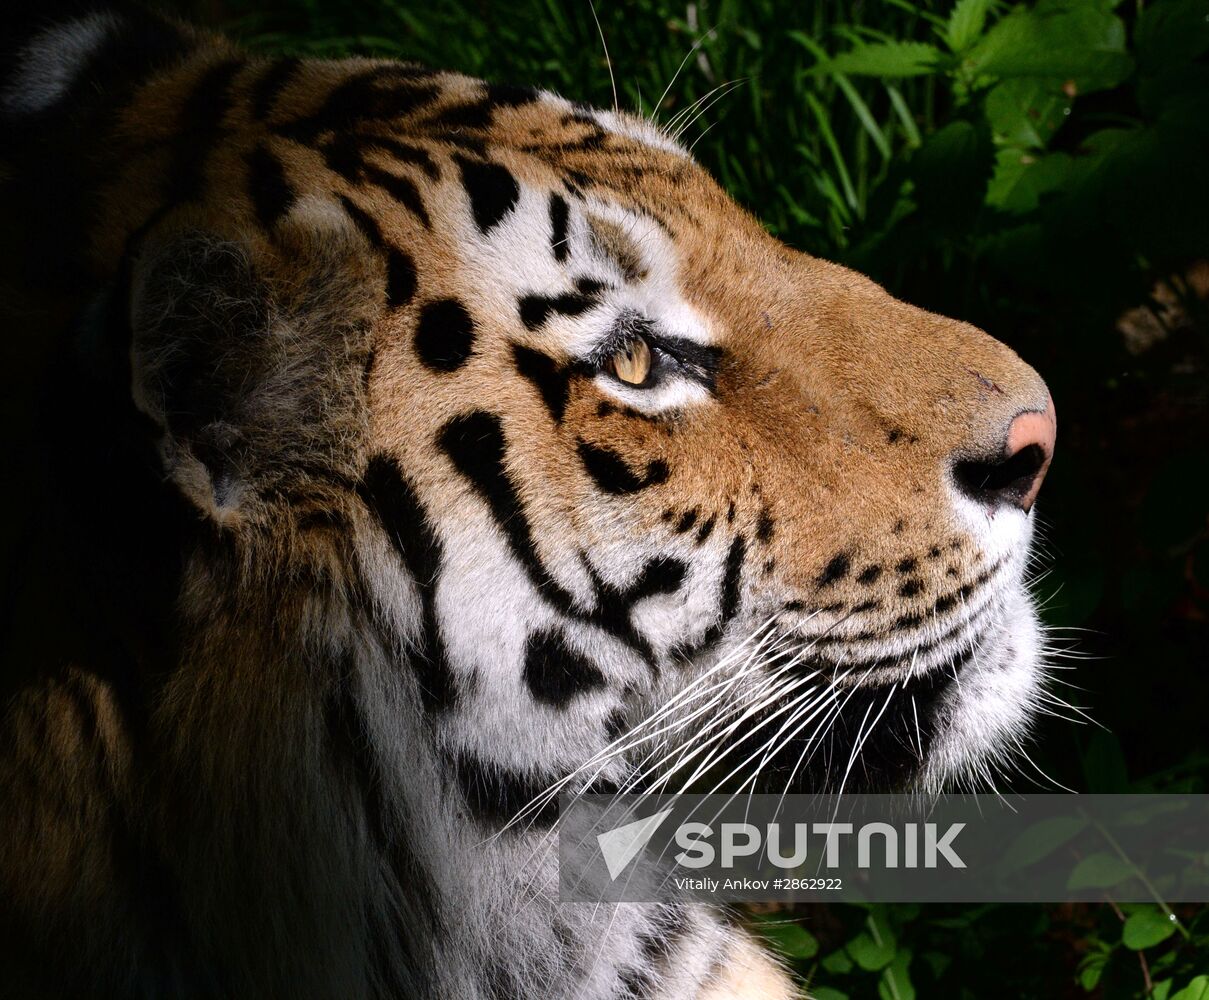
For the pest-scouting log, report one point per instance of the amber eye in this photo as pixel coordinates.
(632, 363)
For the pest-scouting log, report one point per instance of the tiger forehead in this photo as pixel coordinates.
(402, 130)
(355, 108)
(514, 201)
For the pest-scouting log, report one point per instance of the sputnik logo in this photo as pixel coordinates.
(622, 844)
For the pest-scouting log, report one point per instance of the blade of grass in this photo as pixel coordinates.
(863, 114)
(821, 116)
(904, 115)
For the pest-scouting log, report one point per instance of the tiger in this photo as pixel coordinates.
(396, 447)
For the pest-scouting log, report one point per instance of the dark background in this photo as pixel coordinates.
(1042, 171)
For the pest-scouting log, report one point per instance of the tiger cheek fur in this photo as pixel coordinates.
(463, 427)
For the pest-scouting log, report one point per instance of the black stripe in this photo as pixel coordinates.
(473, 115)
(466, 143)
(728, 601)
(948, 666)
(270, 192)
(556, 674)
(475, 444)
(765, 525)
(269, 87)
(836, 569)
(496, 794)
(869, 574)
(510, 95)
(492, 189)
(444, 337)
(730, 580)
(363, 221)
(551, 380)
(559, 214)
(380, 94)
(616, 725)
(400, 278)
(663, 575)
(613, 607)
(405, 153)
(387, 493)
(590, 286)
(345, 154)
(198, 129)
(400, 268)
(403, 190)
(592, 140)
(611, 473)
(535, 310)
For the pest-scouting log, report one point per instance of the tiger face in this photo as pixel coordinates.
(603, 436)
(424, 447)
(658, 435)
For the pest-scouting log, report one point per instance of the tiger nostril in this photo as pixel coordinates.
(1006, 481)
(1015, 476)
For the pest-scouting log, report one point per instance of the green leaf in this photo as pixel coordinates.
(1198, 989)
(1027, 111)
(868, 954)
(838, 963)
(1041, 840)
(895, 982)
(885, 59)
(873, 949)
(827, 993)
(1021, 178)
(1099, 871)
(1146, 928)
(790, 939)
(1161, 990)
(1091, 971)
(966, 23)
(1078, 42)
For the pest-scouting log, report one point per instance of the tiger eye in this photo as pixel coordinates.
(632, 363)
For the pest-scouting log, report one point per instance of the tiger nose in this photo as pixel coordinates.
(1013, 478)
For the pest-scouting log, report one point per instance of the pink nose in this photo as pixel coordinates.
(1014, 477)
(1037, 432)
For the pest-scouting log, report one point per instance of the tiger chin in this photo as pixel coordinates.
(412, 442)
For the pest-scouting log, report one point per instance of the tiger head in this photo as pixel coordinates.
(623, 477)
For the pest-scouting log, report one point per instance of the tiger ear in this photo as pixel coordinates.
(252, 364)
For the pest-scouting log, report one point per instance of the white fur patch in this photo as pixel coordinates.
(49, 65)
(638, 129)
(986, 712)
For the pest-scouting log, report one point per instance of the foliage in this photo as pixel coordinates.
(1036, 169)
(899, 952)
